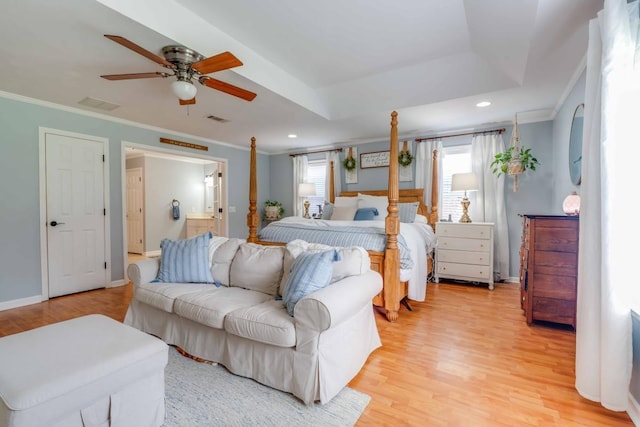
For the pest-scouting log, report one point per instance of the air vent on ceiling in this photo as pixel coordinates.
(99, 104)
(217, 119)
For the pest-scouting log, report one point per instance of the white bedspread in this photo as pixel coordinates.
(420, 239)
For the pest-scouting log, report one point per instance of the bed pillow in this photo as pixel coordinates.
(327, 211)
(365, 214)
(407, 211)
(421, 219)
(378, 202)
(343, 213)
(310, 272)
(185, 261)
(346, 201)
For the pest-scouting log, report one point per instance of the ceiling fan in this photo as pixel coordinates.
(185, 64)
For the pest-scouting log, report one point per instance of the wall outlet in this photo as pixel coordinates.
(232, 209)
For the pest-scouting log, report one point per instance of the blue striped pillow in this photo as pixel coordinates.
(407, 211)
(185, 261)
(310, 271)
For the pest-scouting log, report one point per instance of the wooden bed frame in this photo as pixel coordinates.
(387, 263)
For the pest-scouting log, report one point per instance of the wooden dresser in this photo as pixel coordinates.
(549, 268)
(465, 251)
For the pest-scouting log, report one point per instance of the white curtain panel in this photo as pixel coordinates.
(300, 166)
(607, 289)
(424, 164)
(488, 204)
(333, 156)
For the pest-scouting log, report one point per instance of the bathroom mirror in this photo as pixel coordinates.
(575, 145)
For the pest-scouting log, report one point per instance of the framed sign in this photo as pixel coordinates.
(376, 159)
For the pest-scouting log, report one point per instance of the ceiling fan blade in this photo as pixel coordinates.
(227, 88)
(188, 101)
(222, 61)
(140, 50)
(133, 76)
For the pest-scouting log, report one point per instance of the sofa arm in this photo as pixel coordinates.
(143, 271)
(335, 303)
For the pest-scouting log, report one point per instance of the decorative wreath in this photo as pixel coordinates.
(349, 163)
(405, 158)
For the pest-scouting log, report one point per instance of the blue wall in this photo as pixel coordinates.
(19, 186)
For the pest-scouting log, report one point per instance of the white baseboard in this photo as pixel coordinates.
(153, 253)
(634, 410)
(116, 283)
(7, 305)
(512, 280)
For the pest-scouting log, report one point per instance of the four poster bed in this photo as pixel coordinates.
(403, 259)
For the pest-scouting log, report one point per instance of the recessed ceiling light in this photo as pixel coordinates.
(292, 135)
(483, 104)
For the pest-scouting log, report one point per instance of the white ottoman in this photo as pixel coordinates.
(88, 371)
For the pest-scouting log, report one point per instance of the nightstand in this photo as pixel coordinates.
(465, 252)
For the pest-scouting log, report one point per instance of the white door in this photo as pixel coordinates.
(135, 216)
(75, 214)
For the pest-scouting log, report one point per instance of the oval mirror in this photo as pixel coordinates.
(575, 145)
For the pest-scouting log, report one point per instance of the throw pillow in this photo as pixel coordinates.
(185, 261)
(365, 214)
(310, 272)
(327, 211)
(407, 211)
(343, 213)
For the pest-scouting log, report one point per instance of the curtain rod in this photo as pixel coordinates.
(315, 152)
(461, 134)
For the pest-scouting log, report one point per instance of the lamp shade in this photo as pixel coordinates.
(306, 189)
(571, 204)
(464, 182)
(183, 89)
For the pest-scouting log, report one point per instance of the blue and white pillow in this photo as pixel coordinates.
(310, 271)
(185, 261)
(407, 211)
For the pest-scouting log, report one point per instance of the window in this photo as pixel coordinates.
(316, 173)
(455, 159)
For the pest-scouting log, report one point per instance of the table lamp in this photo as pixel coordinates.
(464, 182)
(305, 190)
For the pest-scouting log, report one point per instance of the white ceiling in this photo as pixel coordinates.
(329, 71)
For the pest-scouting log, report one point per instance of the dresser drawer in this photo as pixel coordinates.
(464, 230)
(463, 244)
(466, 271)
(477, 258)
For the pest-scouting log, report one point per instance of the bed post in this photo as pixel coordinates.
(433, 215)
(252, 216)
(392, 289)
(332, 183)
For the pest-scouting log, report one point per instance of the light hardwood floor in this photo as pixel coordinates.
(465, 357)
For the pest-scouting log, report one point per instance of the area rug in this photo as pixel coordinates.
(198, 394)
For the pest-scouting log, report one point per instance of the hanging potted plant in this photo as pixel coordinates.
(273, 210)
(405, 157)
(515, 160)
(349, 162)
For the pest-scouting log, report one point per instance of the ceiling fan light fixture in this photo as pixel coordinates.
(183, 89)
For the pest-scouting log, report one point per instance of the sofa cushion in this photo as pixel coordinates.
(185, 261)
(214, 243)
(257, 267)
(268, 323)
(310, 271)
(209, 307)
(163, 295)
(221, 260)
(354, 260)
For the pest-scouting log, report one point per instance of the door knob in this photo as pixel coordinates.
(54, 223)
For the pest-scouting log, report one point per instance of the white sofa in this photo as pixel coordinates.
(241, 322)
